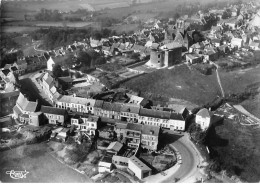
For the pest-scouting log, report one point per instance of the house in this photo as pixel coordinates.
(193, 58)
(237, 42)
(133, 134)
(24, 109)
(140, 169)
(87, 124)
(111, 110)
(50, 64)
(210, 55)
(63, 134)
(203, 118)
(65, 82)
(168, 55)
(223, 49)
(150, 137)
(254, 45)
(54, 115)
(49, 84)
(129, 112)
(216, 42)
(75, 104)
(114, 147)
(105, 164)
(120, 131)
(165, 119)
(8, 101)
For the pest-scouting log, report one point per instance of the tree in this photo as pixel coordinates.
(84, 58)
(196, 133)
(57, 71)
(100, 61)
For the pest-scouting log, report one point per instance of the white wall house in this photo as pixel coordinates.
(203, 118)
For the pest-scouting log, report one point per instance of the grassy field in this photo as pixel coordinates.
(237, 148)
(179, 82)
(18, 29)
(42, 167)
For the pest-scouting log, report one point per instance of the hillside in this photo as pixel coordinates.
(236, 148)
(179, 82)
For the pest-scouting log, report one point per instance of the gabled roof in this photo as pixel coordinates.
(6, 71)
(98, 103)
(25, 104)
(53, 110)
(130, 108)
(154, 113)
(31, 106)
(77, 100)
(120, 125)
(205, 113)
(66, 79)
(134, 126)
(14, 68)
(115, 146)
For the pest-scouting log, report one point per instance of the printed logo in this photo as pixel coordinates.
(17, 174)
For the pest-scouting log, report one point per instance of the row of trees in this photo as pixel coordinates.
(55, 37)
(48, 15)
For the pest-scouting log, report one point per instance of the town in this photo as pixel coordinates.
(107, 131)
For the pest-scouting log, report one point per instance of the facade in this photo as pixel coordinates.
(168, 56)
(140, 169)
(21, 65)
(24, 111)
(129, 113)
(119, 128)
(203, 118)
(105, 164)
(150, 137)
(49, 84)
(133, 134)
(237, 42)
(164, 119)
(50, 64)
(75, 104)
(54, 115)
(88, 124)
(193, 58)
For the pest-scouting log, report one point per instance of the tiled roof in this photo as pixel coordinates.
(121, 125)
(6, 71)
(151, 130)
(155, 113)
(111, 106)
(31, 106)
(77, 100)
(115, 146)
(176, 116)
(205, 113)
(98, 103)
(130, 108)
(134, 126)
(17, 110)
(53, 110)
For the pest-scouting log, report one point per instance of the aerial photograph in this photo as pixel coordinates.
(129, 91)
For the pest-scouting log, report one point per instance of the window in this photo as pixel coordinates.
(159, 56)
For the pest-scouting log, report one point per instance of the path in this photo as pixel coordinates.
(219, 81)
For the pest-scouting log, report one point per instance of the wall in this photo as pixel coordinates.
(157, 58)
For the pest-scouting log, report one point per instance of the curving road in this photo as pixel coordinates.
(188, 171)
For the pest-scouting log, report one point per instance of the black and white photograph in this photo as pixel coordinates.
(129, 91)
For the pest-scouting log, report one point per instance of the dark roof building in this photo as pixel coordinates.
(53, 110)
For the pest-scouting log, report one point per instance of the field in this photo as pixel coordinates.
(61, 24)
(42, 167)
(179, 82)
(18, 29)
(237, 149)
